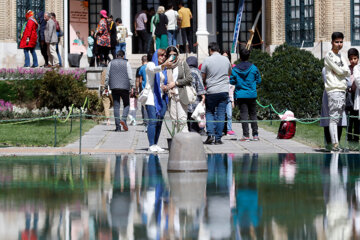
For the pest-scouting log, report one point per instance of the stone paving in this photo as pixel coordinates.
(103, 140)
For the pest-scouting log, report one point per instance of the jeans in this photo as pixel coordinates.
(125, 96)
(229, 115)
(172, 37)
(144, 114)
(336, 102)
(120, 46)
(27, 57)
(215, 111)
(58, 54)
(155, 123)
(247, 108)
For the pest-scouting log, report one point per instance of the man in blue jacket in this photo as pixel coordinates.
(246, 76)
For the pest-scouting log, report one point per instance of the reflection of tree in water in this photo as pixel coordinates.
(290, 209)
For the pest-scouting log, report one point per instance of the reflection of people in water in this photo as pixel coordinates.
(287, 167)
(78, 41)
(28, 234)
(247, 212)
(338, 223)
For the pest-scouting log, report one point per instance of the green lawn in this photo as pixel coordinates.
(41, 133)
(309, 134)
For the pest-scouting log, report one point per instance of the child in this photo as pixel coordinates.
(246, 76)
(354, 123)
(133, 108)
(287, 127)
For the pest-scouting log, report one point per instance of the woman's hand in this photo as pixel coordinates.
(166, 64)
(171, 85)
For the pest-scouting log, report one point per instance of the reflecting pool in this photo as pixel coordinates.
(277, 196)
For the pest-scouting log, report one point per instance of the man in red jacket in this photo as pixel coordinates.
(29, 38)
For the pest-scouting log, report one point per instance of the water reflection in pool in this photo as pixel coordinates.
(278, 196)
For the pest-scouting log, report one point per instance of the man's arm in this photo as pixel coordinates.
(338, 70)
(203, 75)
(107, 76)
(130, 75)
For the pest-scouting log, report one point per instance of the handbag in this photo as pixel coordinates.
(187, 95)
(143, 96)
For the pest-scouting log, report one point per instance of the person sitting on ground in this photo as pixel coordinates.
(120, 81)
(287, 127)
(246, 76)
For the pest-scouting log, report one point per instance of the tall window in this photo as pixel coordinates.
(300, 22)
(95, 6)
(355, 22)
(22, 6)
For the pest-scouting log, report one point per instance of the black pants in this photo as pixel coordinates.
(186, 34)
(104, 54)
(327, 134)
(142, 41)
(113, 52)
(125, 96)
(193, 126)
(91, 61)
(43, 49)
(354, 126)
(247, 108)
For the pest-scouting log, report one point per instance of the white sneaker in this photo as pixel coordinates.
(153, 148)
(159, 149)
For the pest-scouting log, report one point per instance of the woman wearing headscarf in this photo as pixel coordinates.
(161, 22)
(103, 38)
(179, 75)
(156, 103)
(29, 38)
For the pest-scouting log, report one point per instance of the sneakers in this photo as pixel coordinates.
(244, 139)
(156, 149)
(231, 132)
(209, 140)
(153, 148)
(256, 138)
(124, 125)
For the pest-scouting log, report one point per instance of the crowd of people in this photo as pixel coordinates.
(341, 94)
(162, 83)
(45, 30)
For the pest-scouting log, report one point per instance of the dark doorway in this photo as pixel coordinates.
(138, 5)
(226, 15)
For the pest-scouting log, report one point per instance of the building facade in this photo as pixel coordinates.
(303, 23)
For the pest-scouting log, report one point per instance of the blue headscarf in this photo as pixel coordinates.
(157, 89)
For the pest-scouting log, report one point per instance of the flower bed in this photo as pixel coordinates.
(38, 73)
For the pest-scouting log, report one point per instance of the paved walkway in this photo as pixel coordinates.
(103, 140)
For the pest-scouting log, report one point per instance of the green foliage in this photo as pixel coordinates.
(291, 79)
(18, 91)
(57, 91)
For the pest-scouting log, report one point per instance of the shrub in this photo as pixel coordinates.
(18, 91)
(291, 79)
(57, 91)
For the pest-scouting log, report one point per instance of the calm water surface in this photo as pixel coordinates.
(278, 196)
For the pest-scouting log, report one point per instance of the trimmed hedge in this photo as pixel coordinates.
(291, 79)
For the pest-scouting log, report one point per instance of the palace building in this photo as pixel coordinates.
(303, 23)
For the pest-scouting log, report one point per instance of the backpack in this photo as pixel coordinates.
(287, 130)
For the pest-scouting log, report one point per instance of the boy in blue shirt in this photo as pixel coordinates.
(246, 76)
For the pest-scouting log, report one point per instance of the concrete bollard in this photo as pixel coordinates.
(187, 153)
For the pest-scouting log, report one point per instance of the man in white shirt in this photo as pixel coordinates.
(173, 17)
(336, 72)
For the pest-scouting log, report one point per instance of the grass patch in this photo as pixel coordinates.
(41, 133)
(309, 134)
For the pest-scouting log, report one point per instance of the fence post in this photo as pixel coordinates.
(71, 119)
(55, 131)
(80, 131)
(270, 116)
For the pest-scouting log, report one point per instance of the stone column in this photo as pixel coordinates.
(126, 18)
(202, 33)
